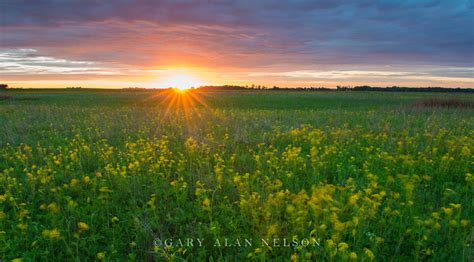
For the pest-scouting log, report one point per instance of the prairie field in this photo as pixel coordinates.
(235, 175)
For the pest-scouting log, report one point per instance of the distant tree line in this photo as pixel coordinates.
(406, 89)
(259, 87)
(3, 86)
(224, 87)
(343, 88)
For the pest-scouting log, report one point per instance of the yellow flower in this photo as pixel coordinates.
(396, 195)
(464, 222)
(453, 223)
(272, 230)
(53, 207)
(82, 226)
(353, 199)
(342, 246)
(330, 243)
(353, 256)
(86, 179)
(448, 211)
(369, 253)
(105, 189)
(22, 226)
(17, 260)
(74, 182)
(465, 151)
(51, 234)
(54, 233)
(71, 204)
(469, 177)
(290, 209)
(115, 219)
(206, 202)
(151, 202)
(101, 255)
(339, 226)
(455, 206)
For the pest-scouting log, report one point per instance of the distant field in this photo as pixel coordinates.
(300, 175)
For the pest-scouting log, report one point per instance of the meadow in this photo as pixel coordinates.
(234, 175)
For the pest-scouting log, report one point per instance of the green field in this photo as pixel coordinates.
(262, 175)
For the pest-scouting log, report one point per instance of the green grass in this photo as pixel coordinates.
(365, 175)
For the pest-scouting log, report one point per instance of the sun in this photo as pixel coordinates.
(180, 81)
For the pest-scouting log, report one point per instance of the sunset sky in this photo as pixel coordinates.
(113, 44)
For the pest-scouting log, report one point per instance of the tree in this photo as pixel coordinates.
(3, 86)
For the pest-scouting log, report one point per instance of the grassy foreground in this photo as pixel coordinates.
(303, 176)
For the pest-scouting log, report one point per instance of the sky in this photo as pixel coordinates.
(121, 43)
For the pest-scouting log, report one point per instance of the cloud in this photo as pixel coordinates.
(236, 36)
(460, 76)
(27, 61)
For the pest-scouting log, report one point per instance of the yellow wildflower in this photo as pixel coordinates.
(51, 234)
(453, 223)
(455, 206)
(465, 151)
(353, 256)
(101, 255)
(82, 226)
(369, 253)
(448, 211)
(22, 226)
(469, 177)
(342, 246)
(272, 230)
(53, 207)
(74, 182)
(290, 209)
(206, 202)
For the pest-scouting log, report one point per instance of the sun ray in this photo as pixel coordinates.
(188, 104)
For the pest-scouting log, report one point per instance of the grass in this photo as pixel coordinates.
(444, 102)
(4, 97)
(117, 175)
